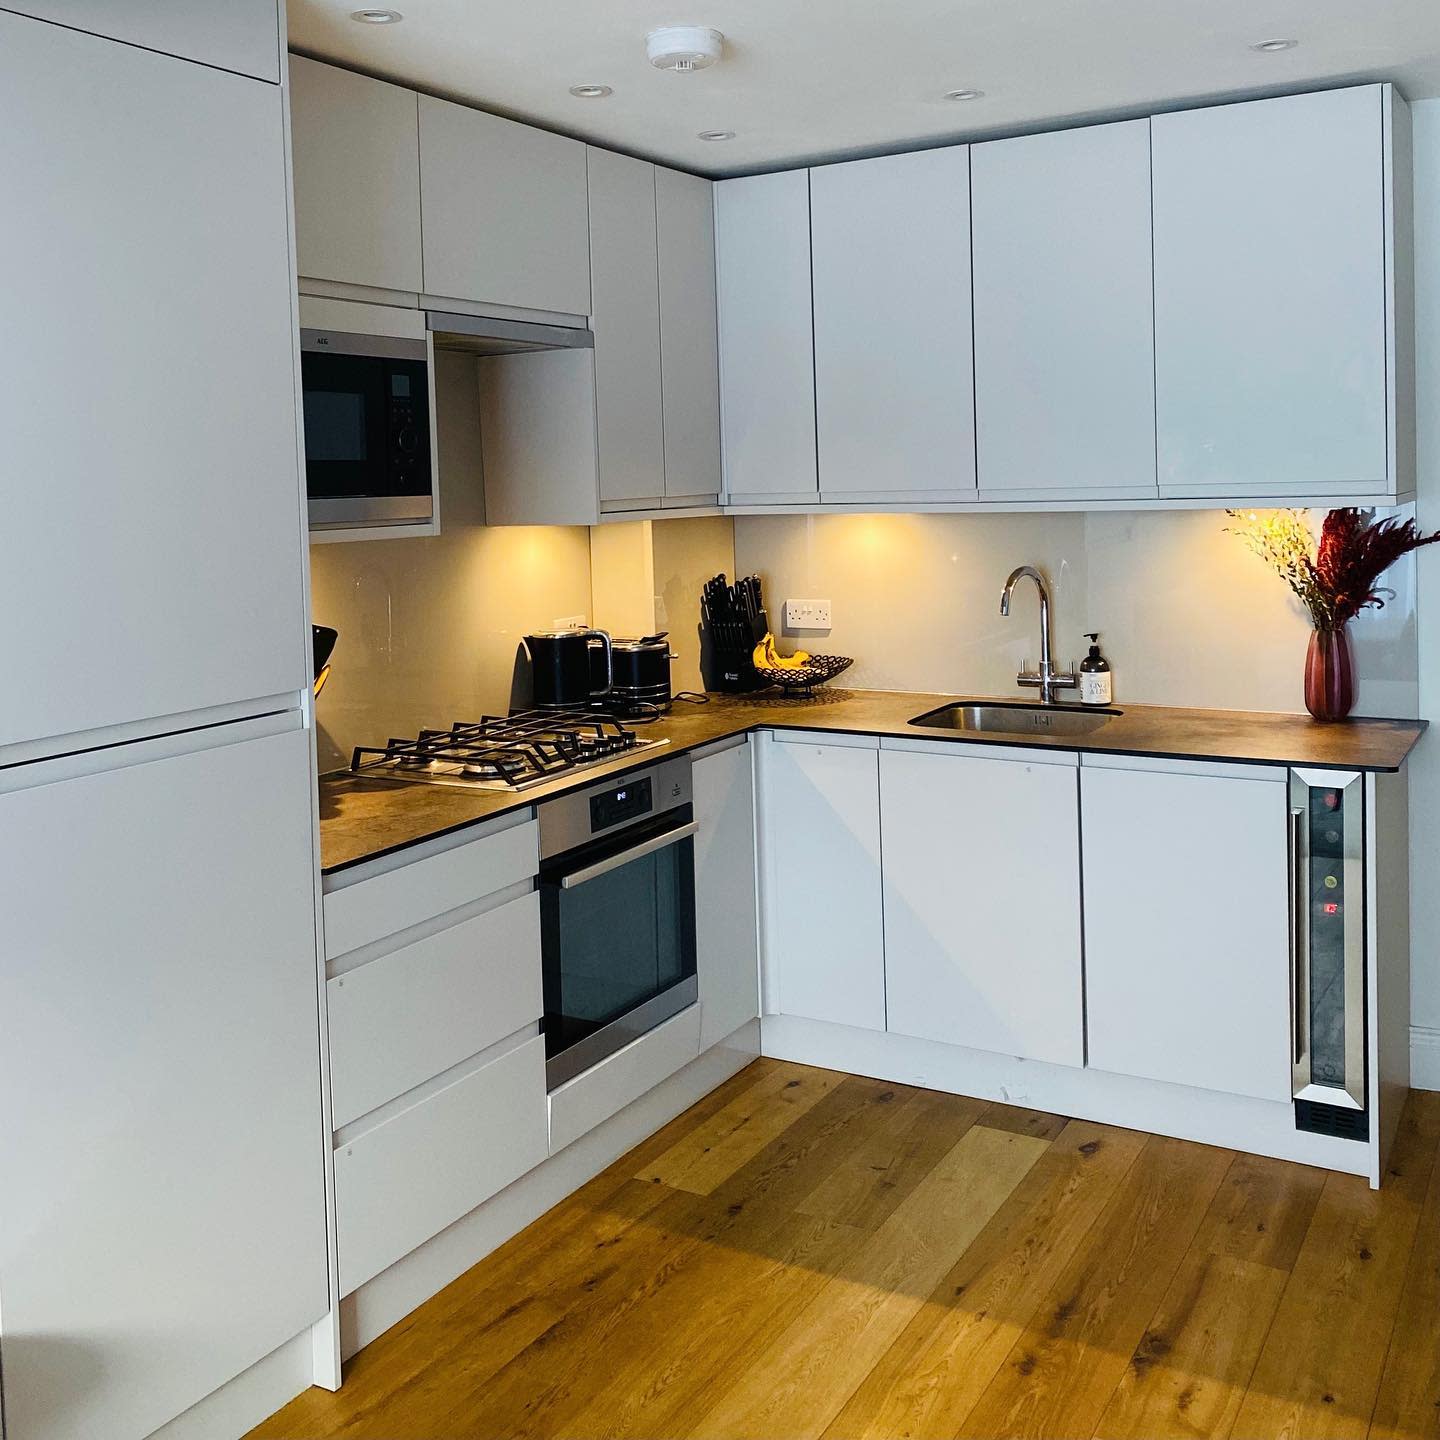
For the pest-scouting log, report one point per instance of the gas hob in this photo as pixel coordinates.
(513, 752)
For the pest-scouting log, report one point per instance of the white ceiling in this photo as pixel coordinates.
(812, 79)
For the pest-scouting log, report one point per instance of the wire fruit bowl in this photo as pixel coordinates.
(815, 671)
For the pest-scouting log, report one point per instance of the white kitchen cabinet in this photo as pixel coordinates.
(767, 350)
(982, 900)
(624, 281)
(356, 146)
(1277, 273)
(1064, 336)
(504, 211)
(689, 342)
(894, 387)
(1187, 926)
(152, 422)
(726, 919)
(239, 35)
(162, 1211)
(406, 1178)
(823, 936)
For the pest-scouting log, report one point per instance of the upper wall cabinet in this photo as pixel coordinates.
(624, 279)
(179, 495)
(239, 35)
(689, 353)
(1281, 297)
(767, 357)
(890, 251)
(505, 211)
(1064, 342)
(357, 177)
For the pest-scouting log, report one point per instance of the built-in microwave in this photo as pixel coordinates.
(367, 429)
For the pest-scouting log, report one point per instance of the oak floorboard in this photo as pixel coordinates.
(1065, 1366)
(875, 1176)
(932, 1377)
(1188, 1375)
(1319, 1372)
(712, 1152)
(792, 1387)
(1408, 1404)
(871, 1260)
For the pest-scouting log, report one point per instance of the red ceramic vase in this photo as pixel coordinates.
(1329, 675)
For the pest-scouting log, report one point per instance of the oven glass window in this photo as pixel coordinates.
(616, 941)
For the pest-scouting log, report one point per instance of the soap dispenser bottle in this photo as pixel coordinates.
(1095, 675)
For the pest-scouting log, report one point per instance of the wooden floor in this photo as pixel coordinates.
(812, 1254)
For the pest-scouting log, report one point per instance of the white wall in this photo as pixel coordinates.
(1187, 615)
(1425, 766)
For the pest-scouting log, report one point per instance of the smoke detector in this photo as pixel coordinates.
(684, 47)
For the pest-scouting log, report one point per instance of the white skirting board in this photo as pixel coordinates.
(1424, 1058)
(1206, 1116)
(249, 1398)
(394, 1293)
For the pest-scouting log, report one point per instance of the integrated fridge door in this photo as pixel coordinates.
(162, 1213)
(1327, 867)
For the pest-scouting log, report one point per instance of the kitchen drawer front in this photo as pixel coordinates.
(369, 910)
(414, 1013)
(410, 1177)
(581, 1104)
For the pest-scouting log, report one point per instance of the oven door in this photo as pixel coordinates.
(618, 940)
(367, 429)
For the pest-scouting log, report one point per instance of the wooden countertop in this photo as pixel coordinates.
(363, 819)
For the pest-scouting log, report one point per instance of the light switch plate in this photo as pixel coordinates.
(807, 614)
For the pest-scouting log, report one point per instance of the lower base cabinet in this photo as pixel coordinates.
(1187, 959)
(982, 901)
(824, 940)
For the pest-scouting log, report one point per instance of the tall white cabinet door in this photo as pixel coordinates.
(356, 143)
(1064, 337)
(503, 207)
(239, 35)
(624, 282)
(894, 393)
(1187, 929)
(1270, 296)
(824, 944)
(162, 1210)
(152, 547)
(689, 341)
(982, 903)
(726, 920)
(767, 349)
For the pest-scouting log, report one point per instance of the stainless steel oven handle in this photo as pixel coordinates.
(636, 852)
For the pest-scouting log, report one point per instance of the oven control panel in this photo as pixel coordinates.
(628, 802)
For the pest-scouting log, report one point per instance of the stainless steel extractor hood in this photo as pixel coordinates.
(489, 335)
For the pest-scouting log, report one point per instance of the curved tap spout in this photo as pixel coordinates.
(1046, 679)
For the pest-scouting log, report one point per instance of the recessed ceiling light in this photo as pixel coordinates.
(1270, 47)
(716, 135)
(964, 94)
(590, 92)
(377, 17)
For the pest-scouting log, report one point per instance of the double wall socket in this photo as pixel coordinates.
(807, 614)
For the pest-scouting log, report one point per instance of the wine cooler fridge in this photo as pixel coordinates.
(1327, 871)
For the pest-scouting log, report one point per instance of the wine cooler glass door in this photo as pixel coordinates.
(1327, 850)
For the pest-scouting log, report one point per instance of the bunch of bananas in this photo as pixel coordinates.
(767, 657)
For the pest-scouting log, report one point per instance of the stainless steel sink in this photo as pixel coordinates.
(1000, 717)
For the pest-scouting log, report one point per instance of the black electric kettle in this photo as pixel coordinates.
(560, 668)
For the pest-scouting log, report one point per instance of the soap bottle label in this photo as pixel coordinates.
(1095, 688)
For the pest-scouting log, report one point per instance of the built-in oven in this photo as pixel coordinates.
(617, 913)
(1327, 931)
(367, 429)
